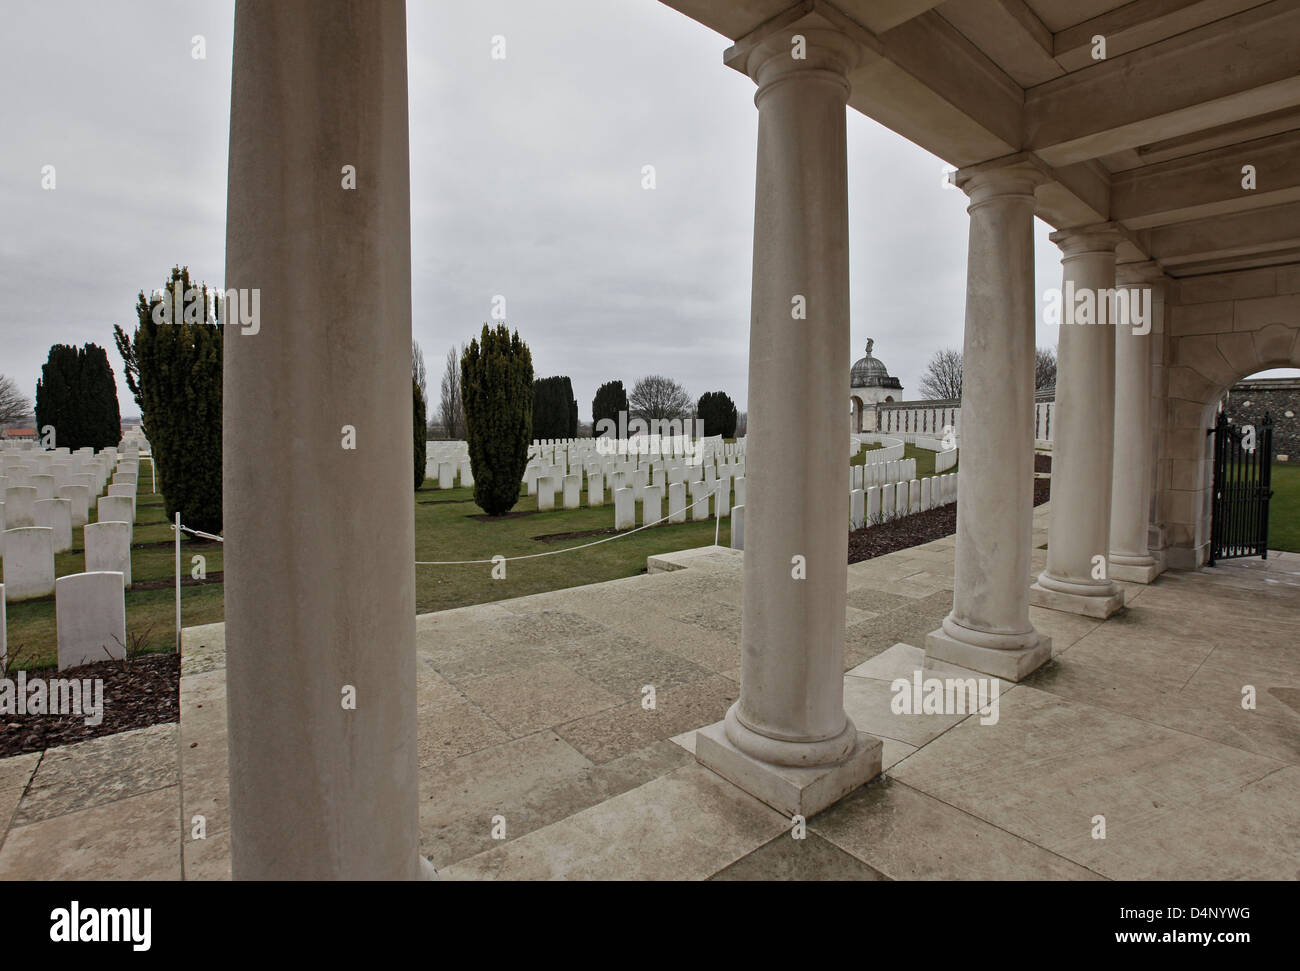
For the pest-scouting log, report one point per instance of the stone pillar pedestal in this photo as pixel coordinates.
(788, 740)
(988, 629)
(1077, 577)
(320, 581)
(1130, 496)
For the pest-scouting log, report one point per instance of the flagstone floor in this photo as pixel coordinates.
(531, 716)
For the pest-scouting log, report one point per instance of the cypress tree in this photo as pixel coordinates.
(77, 396)
(496, 377)
(555, 410)
(418, 431)
(173, 368)
(718, 412)
(611, 398)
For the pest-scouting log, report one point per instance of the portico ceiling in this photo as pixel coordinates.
(1154, 136)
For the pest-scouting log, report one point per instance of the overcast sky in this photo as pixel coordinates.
(526, 182)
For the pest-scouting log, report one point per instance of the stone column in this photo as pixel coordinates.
(320, 606)
(1134, 458)
(1077, 577)
(788, 740)
(988, 629)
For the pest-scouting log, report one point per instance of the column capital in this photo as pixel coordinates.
(806, 51)
(1015, 175)
(1093, 238)
(1146, 271)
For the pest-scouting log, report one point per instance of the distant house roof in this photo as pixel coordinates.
(19, 433)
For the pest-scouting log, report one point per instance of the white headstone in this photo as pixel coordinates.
(79, 497)
(925, 493)
(595, 489)
(43, 483)
(29, 563)
(914, 496)
(624, 508)
(698, 507)
(127, 490)
(120, 509)
(900, 499)
(446, 475)
(20, 507)
(108, 549)
(56, 514)
(652, 504)
(887, 500)
(573, 491)
(737, 527)
(857, 509)
(677, 501)
(91, 610)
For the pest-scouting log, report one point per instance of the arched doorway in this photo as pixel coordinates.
(856, 407)
(1207, 367)
(1264, 412)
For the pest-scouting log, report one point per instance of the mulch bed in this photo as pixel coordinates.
(139, 692)
(925, 527)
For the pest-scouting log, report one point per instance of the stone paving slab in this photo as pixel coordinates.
(809, 858)
(135, 838)
(101, 770)
(1049, 767)
(908, 835)
(686, 825)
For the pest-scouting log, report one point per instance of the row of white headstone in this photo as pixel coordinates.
(693, 500)
(876, 504)
(900, 470)
(448, 463)
(660, 446)
(90, 606)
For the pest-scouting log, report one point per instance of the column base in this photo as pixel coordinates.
(1009, 664)
(790, 791)
(1100, 606)
(1134, 569)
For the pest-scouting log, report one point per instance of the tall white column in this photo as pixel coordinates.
(1130, 496)
(320, 606)
(988, 629)
(1077, 577)
(788, 740)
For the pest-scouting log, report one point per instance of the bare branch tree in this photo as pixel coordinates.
(942, 377)
(14, 405)
(658, 397)
(451, 408)
(1044, 369)
(418, 372)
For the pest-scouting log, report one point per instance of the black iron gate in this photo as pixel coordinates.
(1243, 457)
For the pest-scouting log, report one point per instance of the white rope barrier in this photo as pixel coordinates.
(570, 549)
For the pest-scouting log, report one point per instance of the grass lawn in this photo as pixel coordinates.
(1284, 509)
(444, 530)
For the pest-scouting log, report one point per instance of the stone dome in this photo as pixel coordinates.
(870, 372)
